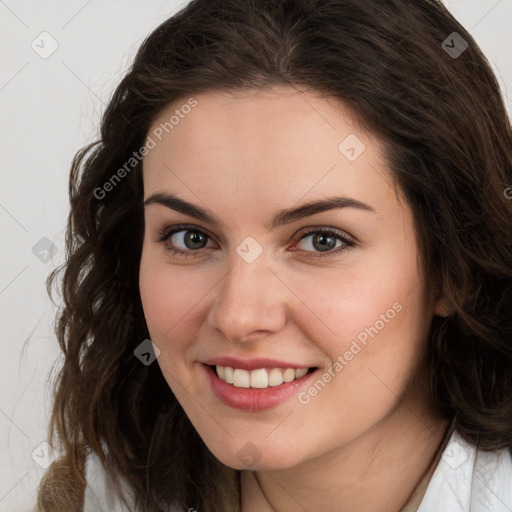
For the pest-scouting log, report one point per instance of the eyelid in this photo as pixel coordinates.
(348, 242)
(167, 231)
(308, 230)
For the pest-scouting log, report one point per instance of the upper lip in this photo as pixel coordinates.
(252, 364)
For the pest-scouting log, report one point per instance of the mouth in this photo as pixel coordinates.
(258, 389)
(260, 378)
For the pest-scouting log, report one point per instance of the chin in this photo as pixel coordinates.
(249, 457)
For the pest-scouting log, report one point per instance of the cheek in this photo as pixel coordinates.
(373, 358)
(168, 298)
(376, 320)
(355, 306)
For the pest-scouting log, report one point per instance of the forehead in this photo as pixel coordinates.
(251, 118)
(257, 141)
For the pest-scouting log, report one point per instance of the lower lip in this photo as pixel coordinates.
(255, 399)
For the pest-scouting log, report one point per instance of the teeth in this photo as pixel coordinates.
(228, 375)
(275, 377)
(241, 378)
(288, 375)
(301, 372)
(260, 378)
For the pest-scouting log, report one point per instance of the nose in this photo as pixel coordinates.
(250, 301)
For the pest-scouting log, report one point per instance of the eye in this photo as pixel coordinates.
(184, 240)
(324, 242)
(188, 240)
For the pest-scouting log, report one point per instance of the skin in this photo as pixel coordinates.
(364, 441)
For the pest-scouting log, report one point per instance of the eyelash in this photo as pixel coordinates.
(166, 233)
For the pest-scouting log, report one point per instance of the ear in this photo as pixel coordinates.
(443, 308)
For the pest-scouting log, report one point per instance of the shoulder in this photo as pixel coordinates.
(100, 494)
(469, 479)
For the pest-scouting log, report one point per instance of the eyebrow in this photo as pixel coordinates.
(281, 217)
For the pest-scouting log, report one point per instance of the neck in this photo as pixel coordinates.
(376, 472)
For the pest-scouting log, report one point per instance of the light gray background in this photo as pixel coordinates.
(50, 107)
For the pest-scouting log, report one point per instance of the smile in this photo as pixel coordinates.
(257, 389)
(259, 378)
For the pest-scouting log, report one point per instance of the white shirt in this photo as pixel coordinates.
(466, 479)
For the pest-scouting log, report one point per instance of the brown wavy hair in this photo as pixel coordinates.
(448, 143)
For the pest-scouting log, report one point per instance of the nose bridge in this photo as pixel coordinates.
(248, 298)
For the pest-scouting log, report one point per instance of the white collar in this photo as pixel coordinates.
(468, 479)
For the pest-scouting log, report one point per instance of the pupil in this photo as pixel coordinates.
(193, 237)
(323, 245)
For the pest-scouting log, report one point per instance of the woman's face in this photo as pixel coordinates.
(254, 281)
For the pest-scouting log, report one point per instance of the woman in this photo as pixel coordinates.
(289, 282)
